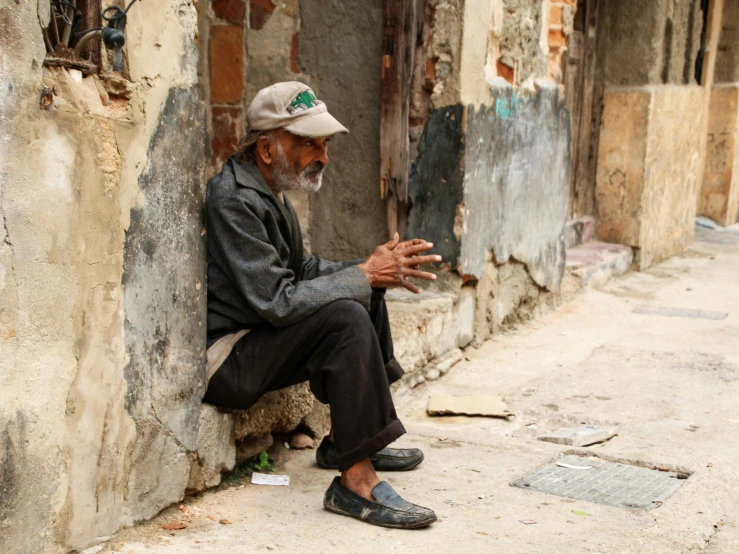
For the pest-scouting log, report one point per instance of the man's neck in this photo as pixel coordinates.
(266, 172)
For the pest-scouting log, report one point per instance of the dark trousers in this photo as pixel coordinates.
(344, 352)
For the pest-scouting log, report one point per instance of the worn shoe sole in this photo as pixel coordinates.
(420, 524)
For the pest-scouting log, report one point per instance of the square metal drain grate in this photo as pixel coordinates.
(609, 483)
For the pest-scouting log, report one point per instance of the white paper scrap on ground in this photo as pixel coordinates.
(570, 466)
(578, 436)
(488, 405)
(270, 479)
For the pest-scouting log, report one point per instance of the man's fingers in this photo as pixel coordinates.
(415, 261)
(410, 286)
(416, 274)
(392, 244)
(416, 248)
(412, 242)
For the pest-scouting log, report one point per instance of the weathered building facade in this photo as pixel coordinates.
(482, 125)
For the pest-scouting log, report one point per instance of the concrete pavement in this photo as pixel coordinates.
(668, 385)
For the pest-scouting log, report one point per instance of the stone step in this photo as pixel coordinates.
(595, 263)
(428, 331)
(579, 231)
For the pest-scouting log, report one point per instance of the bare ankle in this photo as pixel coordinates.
(360, 479)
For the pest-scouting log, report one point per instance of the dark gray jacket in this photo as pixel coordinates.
(257, 273)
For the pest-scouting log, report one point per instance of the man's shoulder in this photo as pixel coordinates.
(223, 190)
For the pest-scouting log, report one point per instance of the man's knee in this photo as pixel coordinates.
(350, 315)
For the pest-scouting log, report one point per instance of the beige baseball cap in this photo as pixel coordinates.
(294, 107)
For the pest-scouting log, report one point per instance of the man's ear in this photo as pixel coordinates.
(265, 149)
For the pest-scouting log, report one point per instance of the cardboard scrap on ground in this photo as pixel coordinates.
(579, 436)
(487, 405)
(270, 479)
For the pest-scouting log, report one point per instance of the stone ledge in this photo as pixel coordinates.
(595, 263)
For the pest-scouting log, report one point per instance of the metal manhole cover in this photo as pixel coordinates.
(609, 483)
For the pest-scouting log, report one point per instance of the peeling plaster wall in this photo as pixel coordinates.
(102, 296)
(491, 172)
(496, 179)
(517, 174)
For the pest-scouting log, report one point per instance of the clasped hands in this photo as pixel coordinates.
(392, 263)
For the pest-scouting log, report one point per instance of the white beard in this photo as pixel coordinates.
(286, 179)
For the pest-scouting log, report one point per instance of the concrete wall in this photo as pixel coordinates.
(649, 153)
(643, 43)
(102, 283)
(648, 169)
(340, 47)
(719, 196)
(727, 57)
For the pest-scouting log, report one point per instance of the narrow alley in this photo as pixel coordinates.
(668, 386)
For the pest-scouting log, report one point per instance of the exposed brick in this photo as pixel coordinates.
(231, 10)
(505, 71)
(557, 38)
(226, 129)
(294, 65)
(431, 68)
(226, 64)
(555, 15)
(259, 12)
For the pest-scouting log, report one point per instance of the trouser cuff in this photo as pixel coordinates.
(394, 371)
(371, 446)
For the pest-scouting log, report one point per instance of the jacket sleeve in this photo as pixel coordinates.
(313, 267)
(254, 266)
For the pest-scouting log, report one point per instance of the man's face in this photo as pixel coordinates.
(299, 162)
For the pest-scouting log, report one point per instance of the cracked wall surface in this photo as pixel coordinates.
(102, 288)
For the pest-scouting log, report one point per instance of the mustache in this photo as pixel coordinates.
(315, 167)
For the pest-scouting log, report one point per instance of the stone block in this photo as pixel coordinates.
(160, 472)
(719, 196)
(595, 263)
(252, 445)
(318, 421)
(464, 317)
(648, 162)
(578, 436)
(226, 64)
(216, 450)
(276, 412)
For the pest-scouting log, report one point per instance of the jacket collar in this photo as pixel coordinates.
(248, 175)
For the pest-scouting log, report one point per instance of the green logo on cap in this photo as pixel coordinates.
(303, 101)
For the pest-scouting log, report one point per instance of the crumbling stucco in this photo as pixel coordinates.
(74, 464)
(516, 186)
